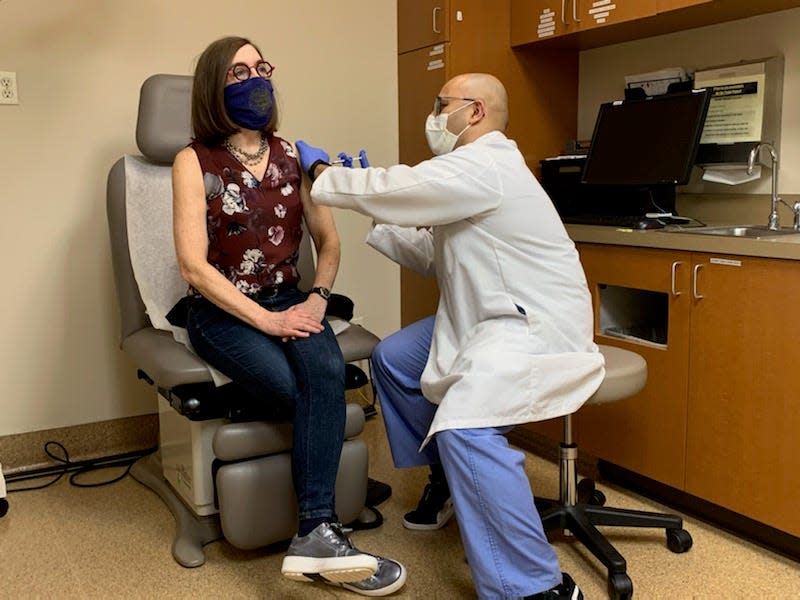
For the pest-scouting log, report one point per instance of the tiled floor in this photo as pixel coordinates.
(114, 542)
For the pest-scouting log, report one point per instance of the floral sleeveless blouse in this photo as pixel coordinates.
(254, 227)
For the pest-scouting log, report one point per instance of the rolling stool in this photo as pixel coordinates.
(580, 509)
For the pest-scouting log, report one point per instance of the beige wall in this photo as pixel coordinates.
(79, 65)
(602, 73)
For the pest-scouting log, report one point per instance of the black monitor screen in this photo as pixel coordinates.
(649, 141)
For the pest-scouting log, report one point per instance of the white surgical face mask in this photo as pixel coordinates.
(440, 139)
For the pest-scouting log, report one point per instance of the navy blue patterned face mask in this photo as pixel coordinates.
(249, 103)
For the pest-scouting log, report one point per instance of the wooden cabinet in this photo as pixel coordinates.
(421, 23)
(599, 13)
(422, 70)
(743, 447)
(474, 38)
(663, 6)
(647, 432)
(533, 20)
(720, 413)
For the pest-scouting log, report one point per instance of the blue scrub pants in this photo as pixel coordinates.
(506, 546)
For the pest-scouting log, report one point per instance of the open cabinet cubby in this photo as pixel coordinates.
(633, 314)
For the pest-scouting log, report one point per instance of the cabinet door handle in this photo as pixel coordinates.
(436, 9)
(575, 11)
(675, 265)
(564, 11)
(694, 282)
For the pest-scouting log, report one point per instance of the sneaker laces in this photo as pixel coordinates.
(337, 529)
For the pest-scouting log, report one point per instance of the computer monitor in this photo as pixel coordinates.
(647, 143)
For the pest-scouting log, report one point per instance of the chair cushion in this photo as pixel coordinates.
(626, 375)
(169, 363)
(236, 441)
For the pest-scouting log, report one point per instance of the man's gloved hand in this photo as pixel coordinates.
(311, 157)
(345, 160)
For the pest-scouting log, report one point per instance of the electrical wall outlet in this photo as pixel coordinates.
(8, 88)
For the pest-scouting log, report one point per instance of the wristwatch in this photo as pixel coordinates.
(322, 291)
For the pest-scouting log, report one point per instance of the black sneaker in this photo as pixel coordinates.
(567, 590)
(434, 510)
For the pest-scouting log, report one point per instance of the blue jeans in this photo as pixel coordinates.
(304, 377)
(503, 537)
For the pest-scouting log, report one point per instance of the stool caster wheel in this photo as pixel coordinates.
(597, 498)
(678, 540)
(3, 507)
(620, 587)
(588, 494)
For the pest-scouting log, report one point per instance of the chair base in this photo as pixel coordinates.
(582, 519)
(192, 532)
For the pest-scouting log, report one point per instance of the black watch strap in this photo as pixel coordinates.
(313, 168)
(322, 291)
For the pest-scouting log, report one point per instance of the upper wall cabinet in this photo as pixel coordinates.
(667, 5)
(421, 23)
(533, 20)
(584, 24)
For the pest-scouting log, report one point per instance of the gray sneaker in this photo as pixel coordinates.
(329, 553)
(389, 578)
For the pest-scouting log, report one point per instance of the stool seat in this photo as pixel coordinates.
(626, 375)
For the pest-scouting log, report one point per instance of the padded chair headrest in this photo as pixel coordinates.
(164, 125)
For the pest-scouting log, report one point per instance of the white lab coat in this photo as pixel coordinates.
(496, 244)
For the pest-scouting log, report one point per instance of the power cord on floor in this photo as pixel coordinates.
(79, 468)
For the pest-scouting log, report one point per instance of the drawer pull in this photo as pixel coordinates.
(675, 265)
(435, 10)
(694, 282)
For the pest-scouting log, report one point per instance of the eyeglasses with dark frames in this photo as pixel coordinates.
(441, 101)
(241, 71)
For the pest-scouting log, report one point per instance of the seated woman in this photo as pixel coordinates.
(239, 203)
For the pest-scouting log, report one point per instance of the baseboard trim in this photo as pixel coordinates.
(749, 529)
(732, 522)
(25, 451)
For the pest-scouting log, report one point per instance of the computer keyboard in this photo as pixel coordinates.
(625, 221)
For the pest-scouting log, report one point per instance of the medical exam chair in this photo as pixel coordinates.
(220, 468)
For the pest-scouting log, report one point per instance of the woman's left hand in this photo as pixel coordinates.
(316, 306)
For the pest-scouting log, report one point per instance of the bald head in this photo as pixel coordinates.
(492, 95)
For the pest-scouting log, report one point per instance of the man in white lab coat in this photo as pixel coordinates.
(511, 341)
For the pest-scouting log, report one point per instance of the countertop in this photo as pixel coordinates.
(784, 246)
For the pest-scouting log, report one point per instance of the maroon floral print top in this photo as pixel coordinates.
(254, 227)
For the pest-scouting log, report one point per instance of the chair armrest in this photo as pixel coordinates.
(356, 342)
(167, 362)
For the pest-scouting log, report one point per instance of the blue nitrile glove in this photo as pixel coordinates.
(347, 161)
(311, 157)
(362, 157)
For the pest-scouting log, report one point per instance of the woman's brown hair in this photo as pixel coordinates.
(210, 120)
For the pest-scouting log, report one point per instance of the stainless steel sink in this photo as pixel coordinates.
(741, 231)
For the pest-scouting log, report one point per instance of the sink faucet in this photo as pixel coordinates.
(774, 217)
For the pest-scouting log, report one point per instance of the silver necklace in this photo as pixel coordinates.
(246, 158)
